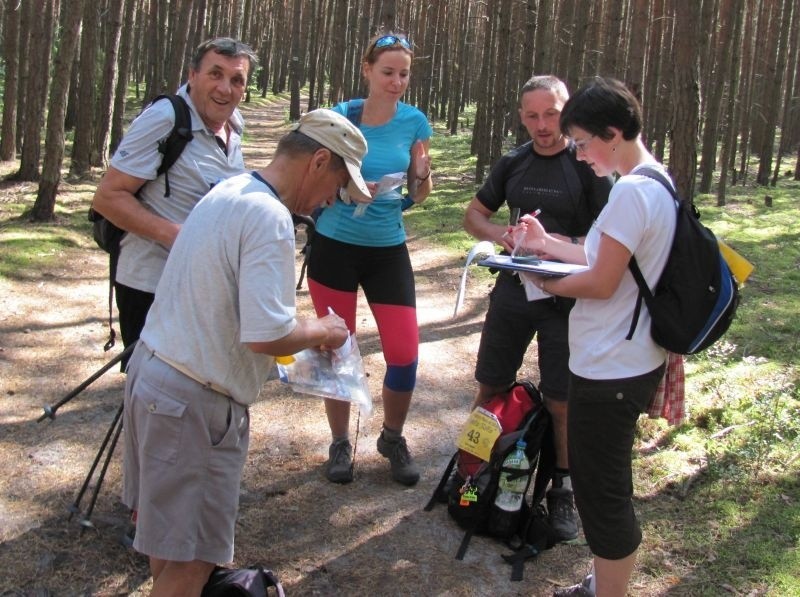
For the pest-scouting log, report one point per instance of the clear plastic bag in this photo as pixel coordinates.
(337, 374)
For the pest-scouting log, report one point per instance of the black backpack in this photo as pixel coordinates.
(527, 533)
(254, 581)
(695, 299)
(107, 235)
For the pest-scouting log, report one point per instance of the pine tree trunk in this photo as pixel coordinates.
(685, 100)
(313, 54)
(776, 69)
(107, 82)
(543, 47)
(235, 28)
(499, 107)
(84, 125)
(294, 74)
(8, 130)
(787, 125)
(637, 48)
(177, 46)
(716, 85)
(653, 74)
(578, 49)
(666, 89)
(123, 72)
(481, 131)
(44, 206)
(611, 40)
(728, 151)
(36, 93)
(25, 26)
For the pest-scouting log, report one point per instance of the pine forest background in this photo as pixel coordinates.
(718, 79)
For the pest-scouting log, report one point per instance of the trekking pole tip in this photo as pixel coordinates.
(49, 413)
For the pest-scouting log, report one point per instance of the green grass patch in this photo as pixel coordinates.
(440, 218)
(28, 247)
(34, 249)
(720, 493)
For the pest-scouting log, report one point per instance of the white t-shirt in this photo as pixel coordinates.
(229, 280)
(201, 165)
(641, 215)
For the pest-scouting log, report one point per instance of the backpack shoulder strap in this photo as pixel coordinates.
(438, 493)
(181, 133)
(355, 108)
(657, 176)
(571, 177)
(645, 294)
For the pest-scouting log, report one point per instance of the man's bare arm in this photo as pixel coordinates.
(477, 221)
(116, 200)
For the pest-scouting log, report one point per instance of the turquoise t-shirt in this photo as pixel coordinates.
(388, 151)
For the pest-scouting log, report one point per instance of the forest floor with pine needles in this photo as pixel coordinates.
(370, 537)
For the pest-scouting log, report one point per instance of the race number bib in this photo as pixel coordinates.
(479, 434)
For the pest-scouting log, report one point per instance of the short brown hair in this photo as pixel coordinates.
(227, 47)
(547, 83)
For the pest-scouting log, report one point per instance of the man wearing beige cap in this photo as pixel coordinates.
(224, 307)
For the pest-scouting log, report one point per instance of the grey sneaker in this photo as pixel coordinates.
(561, 513)
(582, 589)
(404, 470)
(339, 468)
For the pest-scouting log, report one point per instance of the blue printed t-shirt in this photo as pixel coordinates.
(388, 151)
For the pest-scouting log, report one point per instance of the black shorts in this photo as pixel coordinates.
(601, 425)
(510, 325)
(133, 306)
(384, 273)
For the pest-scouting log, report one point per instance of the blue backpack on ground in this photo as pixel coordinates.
(695, 299)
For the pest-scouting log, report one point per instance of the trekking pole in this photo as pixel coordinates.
(85, 521)
(75, 507)
(50, 411)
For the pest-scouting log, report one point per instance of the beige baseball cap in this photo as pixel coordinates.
(343, 138)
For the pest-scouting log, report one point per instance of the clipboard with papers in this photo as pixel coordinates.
(532, 265)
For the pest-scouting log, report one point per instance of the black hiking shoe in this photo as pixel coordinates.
(582, 589)
(561, 513)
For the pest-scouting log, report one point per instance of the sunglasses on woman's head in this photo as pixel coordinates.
(390, 40)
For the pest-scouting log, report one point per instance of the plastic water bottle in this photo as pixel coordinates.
(511, 491)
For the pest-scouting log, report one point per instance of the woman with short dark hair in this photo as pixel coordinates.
(612, 378)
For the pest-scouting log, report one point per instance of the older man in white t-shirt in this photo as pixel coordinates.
(224, 307)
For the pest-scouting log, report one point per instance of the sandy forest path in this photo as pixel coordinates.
(371, 537)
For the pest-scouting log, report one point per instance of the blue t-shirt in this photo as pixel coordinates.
(388, 151)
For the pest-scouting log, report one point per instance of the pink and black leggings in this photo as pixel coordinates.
(337, 269)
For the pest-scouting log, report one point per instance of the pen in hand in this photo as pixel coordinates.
(512, 221)
(516, 241)
(515, 220)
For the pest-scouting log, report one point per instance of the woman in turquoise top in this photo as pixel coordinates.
(364, 245)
